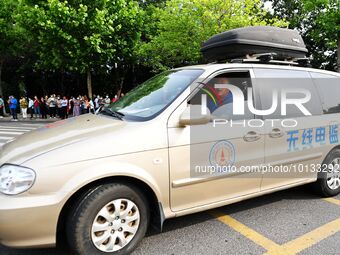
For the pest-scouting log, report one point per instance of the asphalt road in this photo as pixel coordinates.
(295, 221)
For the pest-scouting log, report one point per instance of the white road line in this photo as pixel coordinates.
(6, 137)
(11, 133)
(11, 127)
(33, 125)
(15, 130)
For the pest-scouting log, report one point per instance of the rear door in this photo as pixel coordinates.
(293, 141)
(328, 87)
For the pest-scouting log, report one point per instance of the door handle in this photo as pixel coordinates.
(276, 133)
(251, 136)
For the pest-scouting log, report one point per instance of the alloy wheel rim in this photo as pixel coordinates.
(333, 174)
(115, 225)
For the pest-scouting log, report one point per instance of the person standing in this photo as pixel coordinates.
(101, 102)
(64, 107)
(86, 105)
(107, 101)
(82, 105)
(91, 106)
(13, 105)
(115, 99)
(43, 108)
(71, 105)
(23, 105)
(47, 106)
(52, 106)
(96, 103)
(31, 107)
(2, 107)
(36, 106)
(58, 106)
(76, 107)
(9, 102)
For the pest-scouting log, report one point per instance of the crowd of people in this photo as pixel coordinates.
(54, 106)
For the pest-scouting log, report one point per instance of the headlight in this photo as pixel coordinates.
(15, 179)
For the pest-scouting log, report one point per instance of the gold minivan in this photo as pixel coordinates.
(187, 140)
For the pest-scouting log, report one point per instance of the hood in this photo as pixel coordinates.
(57, 135)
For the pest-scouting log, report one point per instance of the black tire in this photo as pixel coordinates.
(79, 222)
(321, 184)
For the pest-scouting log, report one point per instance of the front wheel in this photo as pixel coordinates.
(328, 183)
(112, 219)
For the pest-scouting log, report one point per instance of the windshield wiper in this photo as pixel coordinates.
(112, 113)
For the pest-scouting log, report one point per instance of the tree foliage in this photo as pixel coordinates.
(319, 23)
(11, 36)
(183, 25)
(117, 40)
(82, 35)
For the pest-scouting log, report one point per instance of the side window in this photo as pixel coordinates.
(269, 81)
(328, 87)
(220, 100)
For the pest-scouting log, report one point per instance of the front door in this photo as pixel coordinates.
(208, 162)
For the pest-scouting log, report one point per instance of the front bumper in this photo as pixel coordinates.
(29, 221)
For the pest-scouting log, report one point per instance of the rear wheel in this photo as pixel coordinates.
(328, 182)
(112, 219)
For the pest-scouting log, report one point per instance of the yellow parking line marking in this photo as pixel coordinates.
(292, 247)
(332, 200)
(250, 233)
(307, 240)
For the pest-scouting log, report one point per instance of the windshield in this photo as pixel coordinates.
(150, 98)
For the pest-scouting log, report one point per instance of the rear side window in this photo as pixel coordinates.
(328, 87)
(267, 80)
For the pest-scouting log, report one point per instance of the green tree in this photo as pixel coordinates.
(183, 25)
(319, 23)
(81, 35)
(10, 34)
(326, 29)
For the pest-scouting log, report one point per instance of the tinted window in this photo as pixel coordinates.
(328, 87)
(269, 80)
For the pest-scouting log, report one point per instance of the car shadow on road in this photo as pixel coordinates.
(300, 193)
(51, 251)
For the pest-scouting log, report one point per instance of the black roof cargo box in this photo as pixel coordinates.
(237, 43)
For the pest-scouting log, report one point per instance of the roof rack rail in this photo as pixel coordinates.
(269, 58)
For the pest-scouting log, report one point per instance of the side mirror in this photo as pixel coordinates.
(192, 115)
